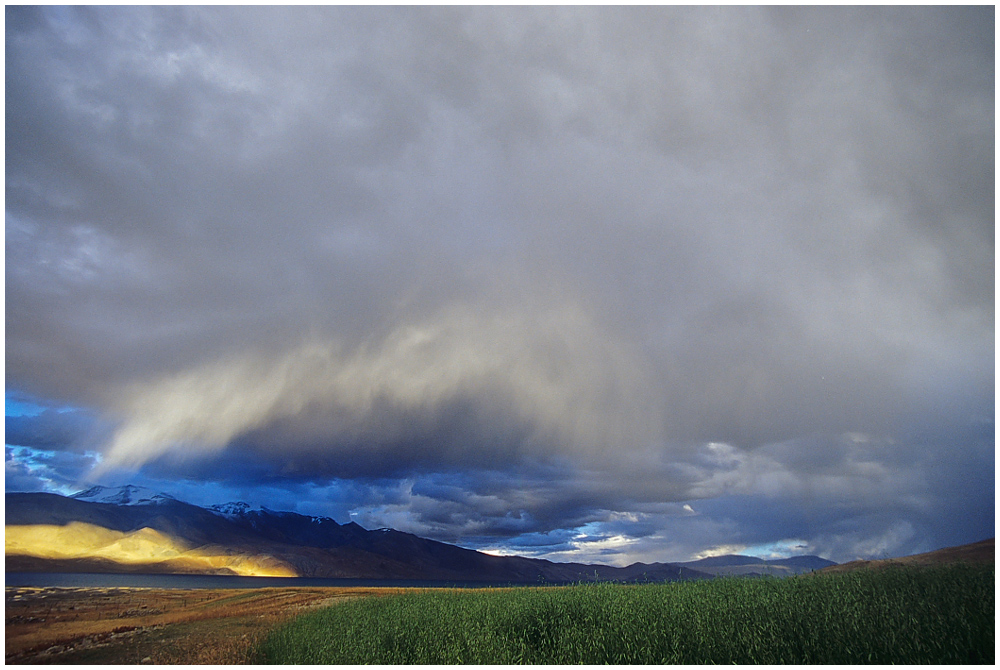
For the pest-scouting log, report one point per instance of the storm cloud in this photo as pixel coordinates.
(562, 281)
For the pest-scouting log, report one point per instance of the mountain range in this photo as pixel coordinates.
(131, 529)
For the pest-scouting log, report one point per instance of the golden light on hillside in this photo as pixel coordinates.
(143, 547)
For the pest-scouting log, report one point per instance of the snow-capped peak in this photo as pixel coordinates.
(123, 495)
(233, 509)
(242, 510)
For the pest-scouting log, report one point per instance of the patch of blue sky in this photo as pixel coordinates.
(18, 407)
(22, 404)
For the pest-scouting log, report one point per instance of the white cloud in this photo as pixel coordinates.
(720, 550)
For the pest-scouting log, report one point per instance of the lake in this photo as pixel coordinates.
(95, 580)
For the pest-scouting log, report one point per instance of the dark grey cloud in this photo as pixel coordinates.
(55, 429)
(630, 258)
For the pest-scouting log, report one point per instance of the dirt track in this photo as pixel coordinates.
(160, 626)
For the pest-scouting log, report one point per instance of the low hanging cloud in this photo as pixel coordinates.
(536, 382)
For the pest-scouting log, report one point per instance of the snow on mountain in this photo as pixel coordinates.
(123, 495)
(233, 510)
(140, 495)
(241, 511)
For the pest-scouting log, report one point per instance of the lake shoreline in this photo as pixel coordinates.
(196, 581)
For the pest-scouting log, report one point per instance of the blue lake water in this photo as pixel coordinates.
(94, 580)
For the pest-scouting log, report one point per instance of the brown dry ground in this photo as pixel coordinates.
(160, 626)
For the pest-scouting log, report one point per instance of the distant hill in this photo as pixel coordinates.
(752, 566)
(977, 552)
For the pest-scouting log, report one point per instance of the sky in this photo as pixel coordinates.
(586, 284)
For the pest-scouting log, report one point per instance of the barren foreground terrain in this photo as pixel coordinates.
(162, 626)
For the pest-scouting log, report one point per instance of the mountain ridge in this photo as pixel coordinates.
(122, 495)
(739, 565)
(235, 538)
(982, 552)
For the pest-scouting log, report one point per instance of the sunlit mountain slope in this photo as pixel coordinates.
(144, 547)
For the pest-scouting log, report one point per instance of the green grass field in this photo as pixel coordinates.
(898, 615)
